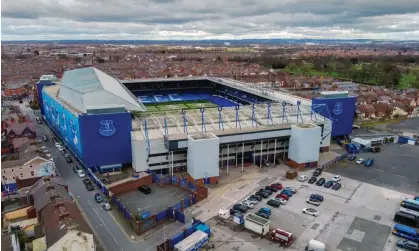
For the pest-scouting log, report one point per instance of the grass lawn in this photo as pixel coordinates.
(185, 105)
(380, 122)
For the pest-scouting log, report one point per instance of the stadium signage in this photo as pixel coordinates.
(107, 128)
(338, 108)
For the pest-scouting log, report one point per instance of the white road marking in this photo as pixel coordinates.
(100, 218)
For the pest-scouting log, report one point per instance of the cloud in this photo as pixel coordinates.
(209, 19)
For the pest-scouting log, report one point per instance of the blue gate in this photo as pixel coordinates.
(180, 217)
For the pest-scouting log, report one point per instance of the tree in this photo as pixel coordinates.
(36, 53)
(354, 60)
(406, 81)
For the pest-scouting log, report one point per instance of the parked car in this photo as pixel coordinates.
(303, 178)
(106, 206)
(54, 139)
(255, 197)
(271, 188)
(98, 198)
(281, 200)
(277, 185)
(38, 119)
(144, 189)
(369, 162)
(282, 195)
(44, 137)
(375, 149)
(336, 186)
(76, 168)
(69, 160)
(293, 190)
(273, 203)
(233, 211)
(263, 215)
(311, 211)
(287, 193)
(317, 172)
(87, 181)
(240, 207)
(321, 182)
(360, 161)
(352, 157)
(328, 184)
(408, 245)
(336, 178)
(262, 194)
(248, 204)
(80, 173)
(266, 191)
(318, 197)
(90, 187)
(265, 210)
(313, 202)
(312, 180)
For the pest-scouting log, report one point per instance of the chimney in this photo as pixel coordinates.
(47, 178)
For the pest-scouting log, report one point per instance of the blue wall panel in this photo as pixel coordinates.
(106, 138)
(65, 123)
(340, 110)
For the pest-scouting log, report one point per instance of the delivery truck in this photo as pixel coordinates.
(193, 242)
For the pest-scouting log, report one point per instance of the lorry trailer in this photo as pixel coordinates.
(193, 242)
(256, 224)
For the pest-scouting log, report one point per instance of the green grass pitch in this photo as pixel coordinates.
(185, 105)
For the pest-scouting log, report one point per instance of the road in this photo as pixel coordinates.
(110, 234)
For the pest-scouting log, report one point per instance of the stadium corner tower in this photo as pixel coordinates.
(169, 125)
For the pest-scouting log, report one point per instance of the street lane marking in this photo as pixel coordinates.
(100, 218)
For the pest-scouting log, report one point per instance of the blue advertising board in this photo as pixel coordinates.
(65, 123)
(106, 138)
(341, 111)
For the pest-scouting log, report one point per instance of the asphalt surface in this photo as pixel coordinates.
(409, 125)
(395, 167)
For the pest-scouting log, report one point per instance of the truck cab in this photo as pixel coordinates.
(282, 236)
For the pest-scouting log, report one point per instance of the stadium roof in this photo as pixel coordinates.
(89, 88)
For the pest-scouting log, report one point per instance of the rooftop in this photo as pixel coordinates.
(89, 88)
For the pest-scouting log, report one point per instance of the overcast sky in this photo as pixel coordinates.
(209, 19)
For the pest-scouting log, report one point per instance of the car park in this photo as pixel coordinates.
(287, 193)
(262, 194)
(336, 178)
(98, 198)
(317, 172)
(311, 211)
(144, 189)
(317, 197)
(312, 180)
(265, 210)
(106, 206)
(240, 207)
(369, 162)
(303, 178)
(408, 245)
(313, 202)
(293, 190)
(255, 197)
(273, 203)
(328, 184)
(281, 200)
(277, 185)
(321, 182)
(80, 173)
(336, 186)
(284, 196)
(263, 215)
(352, 157)
(271, 188)
(360, 161)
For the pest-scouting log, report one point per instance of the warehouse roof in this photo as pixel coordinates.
(89, 87)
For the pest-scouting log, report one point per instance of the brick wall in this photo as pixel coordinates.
(131, 185)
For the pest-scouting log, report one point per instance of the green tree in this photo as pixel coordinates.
(406, 81)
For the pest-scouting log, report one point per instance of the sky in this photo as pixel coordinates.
(209, 19)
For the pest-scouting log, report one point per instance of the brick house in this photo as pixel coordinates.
(21, 130)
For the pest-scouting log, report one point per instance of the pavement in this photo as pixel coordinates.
(395, 167)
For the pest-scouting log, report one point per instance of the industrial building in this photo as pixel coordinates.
(199, 125)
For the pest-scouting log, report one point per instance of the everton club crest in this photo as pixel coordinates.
(338, 108)
(107, 128)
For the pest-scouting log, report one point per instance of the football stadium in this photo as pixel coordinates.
(198, 125)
